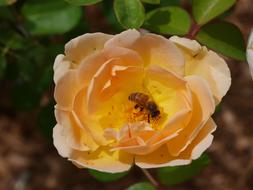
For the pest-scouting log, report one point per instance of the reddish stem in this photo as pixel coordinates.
(193, 31)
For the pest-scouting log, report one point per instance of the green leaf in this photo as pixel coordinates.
(83, 2)
(224, 38)
(3, 65)
(46, 119)
(178, 174)
(130, 13)
(151, 1)
(206, 10)
(168, 20)
(44, 17)
(141, 186)
(105, 177)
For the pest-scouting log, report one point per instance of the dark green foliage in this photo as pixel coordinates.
(178, 174)
(141, 186)
(106, 177)
(168, 20)
(83, 2)
(130, 13)
(206, 10)
(223, 37)
(44, 17)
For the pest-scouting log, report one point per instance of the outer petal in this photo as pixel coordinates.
(202, 141)
(203, 108)
(60, 142)
(206, 64)
(76, 136)
(162, 157)
(154, 49)
(61, 67)
(92, 64)
(250, 53)
(103, 160)
(190, 46)
(82, 46)
(66, 90)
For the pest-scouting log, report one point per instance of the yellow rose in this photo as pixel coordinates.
(137, 99)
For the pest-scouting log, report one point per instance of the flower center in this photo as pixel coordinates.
(143, 109)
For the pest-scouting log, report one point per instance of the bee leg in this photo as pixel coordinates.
(148, 118)
(138, 106)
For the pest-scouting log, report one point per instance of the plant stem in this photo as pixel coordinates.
(151, 179)
(193, 31)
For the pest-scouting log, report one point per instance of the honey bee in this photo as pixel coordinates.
(142, 101)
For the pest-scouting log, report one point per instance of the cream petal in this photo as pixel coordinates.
(160, 158)
(207, 64)
(76, 136)
(250, 60)
(157, 50)
(82, 46)
(124, 39)
(60, 142)
(61, 67)
(203, 108)
(93, 63)
(103, 160)
(202, 141)
(66, 90)
(192, 46)
(154, 49)
(213, 69)
(92, 128)
(250, 53)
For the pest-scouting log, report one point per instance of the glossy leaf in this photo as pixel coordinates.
(224, 38)
(105, 177)
(206, 10)
(130, 13)
(151, 1)
(3, 64)
(141, 186)
(44, 17)
(83, 2)
(168, 20)
(178, 174)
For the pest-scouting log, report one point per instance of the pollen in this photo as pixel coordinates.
(138, 113)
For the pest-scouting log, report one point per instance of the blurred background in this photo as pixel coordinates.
(30, 38)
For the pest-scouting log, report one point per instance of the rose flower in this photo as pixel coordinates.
(136, 98)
